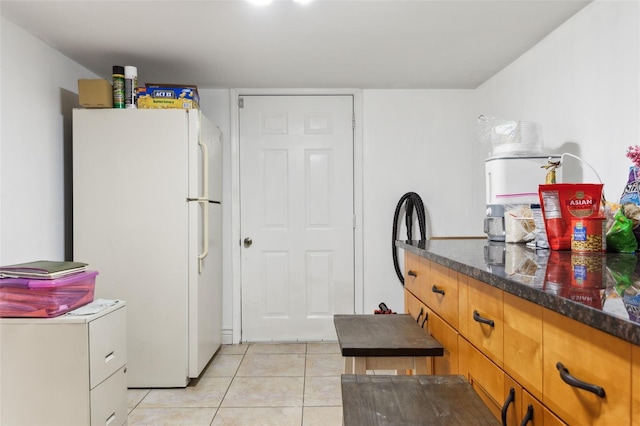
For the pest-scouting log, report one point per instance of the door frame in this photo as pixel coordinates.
(236, 255)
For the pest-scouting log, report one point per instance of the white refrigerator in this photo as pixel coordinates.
(147, 215)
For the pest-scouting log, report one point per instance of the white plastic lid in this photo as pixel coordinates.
(130, 71)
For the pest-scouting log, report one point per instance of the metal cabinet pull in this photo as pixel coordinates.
(426, 315)
(478, 318)
(420, 314)
(412, 273)
(572, 381)
(435, 289)
(528, 417)
(510, 398)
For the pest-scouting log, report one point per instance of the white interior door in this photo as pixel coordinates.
(297, 215)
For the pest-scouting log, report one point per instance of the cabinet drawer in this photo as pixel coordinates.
(485, 319)
(109, 400)
(593, 357)
(411, 272)
(442, 290)
(107, 346)
(523, 342)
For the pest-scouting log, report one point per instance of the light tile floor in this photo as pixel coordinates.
(252, 384)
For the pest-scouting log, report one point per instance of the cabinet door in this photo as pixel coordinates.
(485, 319)
(635, 385)
(523, 342)
(486, 378)
(448, 338)
(592, 357)
(537, 414)
(412, 305)
(512, 404)
(443, 293)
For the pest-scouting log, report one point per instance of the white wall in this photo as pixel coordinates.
(582, 84)
(39, 89)
(415, 141)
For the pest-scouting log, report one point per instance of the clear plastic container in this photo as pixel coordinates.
(38, 298)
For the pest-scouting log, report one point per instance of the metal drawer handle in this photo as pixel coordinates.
(435, 289)
(426, 315)
(419, 315)
(478, 318)
(511, 398)
(110, 419)
(109, 357)
(527, 417)
(572, 381)
(412, 273)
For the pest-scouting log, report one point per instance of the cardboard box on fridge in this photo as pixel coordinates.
(95, 93)
(168, 96)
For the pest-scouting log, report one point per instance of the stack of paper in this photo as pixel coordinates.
(42, 269)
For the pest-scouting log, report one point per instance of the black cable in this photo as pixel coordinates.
(413, 202)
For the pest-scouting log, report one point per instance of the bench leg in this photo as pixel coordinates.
(360, 365)
(420, 365)
(348, 364)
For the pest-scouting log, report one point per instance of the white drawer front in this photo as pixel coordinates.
(109, 401)
(107, 345)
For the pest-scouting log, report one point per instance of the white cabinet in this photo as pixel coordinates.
(68, 370)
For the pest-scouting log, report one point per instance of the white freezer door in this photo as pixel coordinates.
(205, 158)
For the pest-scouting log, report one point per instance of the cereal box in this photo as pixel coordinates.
(168, 96)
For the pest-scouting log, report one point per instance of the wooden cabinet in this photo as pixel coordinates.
(500, 341)
(68, 370)
(598, 364)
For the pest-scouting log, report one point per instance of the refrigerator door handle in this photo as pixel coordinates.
(205, 232)
(205, 168)
(204, 201)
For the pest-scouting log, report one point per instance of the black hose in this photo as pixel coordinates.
(413, 201)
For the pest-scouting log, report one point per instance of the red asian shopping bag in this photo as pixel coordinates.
(561, 202)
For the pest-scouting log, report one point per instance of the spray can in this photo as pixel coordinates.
(118, 86)
(130, 86)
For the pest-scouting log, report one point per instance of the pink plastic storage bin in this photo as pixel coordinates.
(26, 297)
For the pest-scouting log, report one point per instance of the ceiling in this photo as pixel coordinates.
(324, 44)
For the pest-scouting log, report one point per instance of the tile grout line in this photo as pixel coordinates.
(304, 382)
(230, 383)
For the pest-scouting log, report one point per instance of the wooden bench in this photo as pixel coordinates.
(369, 400)
(384, 342)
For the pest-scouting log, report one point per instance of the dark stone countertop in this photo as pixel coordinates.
(599, 290)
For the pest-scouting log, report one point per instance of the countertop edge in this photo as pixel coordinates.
(616, 326)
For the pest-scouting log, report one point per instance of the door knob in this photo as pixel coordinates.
(247, 242)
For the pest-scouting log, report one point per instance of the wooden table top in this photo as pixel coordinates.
(384, 335)
(369, 400)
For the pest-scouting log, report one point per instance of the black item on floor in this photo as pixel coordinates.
(383, 309)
